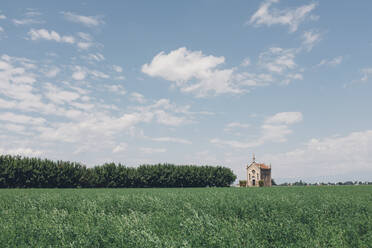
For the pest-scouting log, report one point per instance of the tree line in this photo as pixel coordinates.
(24, 172)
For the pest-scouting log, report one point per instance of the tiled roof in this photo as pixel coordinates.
(263, 166)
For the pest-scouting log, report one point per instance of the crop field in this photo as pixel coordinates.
(187, 217)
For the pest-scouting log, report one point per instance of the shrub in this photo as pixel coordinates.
(242, 183)
(261, 183)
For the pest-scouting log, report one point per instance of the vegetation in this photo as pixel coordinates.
(301, 183)
(242, 183)
(20, 172)
(187, 217)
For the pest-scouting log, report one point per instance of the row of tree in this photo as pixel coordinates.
(23, 172)
(301, 183)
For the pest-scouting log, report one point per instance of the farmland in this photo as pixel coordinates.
(187, 217)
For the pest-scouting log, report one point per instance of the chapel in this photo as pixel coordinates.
(257, 172)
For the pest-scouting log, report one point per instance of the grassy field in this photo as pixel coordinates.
(195, 217)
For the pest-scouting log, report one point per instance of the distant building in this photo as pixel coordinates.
(257, 172)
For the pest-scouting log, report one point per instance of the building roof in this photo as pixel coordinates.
(261, 166)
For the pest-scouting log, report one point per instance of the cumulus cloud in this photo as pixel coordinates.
(171, 139)
(26, 21)
(137, 97)
(58, 95)
(22, 151)
(84, 45)
(95, 57)
(331, 62)
(117, 68)
(274, 129)
(21, 119)
(367, 72)
(310, 39)
(89, 21)
(37, 34)
(151, 150)
(327, 156)
(120, 147)
(79, 73)
(285, 118)
(277, 59)
(236, 125)
(192, 72)
(254, 79)
(292, 18)
(246, 62)
(116, 88)
(2, 17)
(52, 72)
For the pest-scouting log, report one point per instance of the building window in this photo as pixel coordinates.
(253, 171)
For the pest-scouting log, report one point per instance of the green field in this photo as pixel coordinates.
(187, 217)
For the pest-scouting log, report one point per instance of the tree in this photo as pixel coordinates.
(273, 182)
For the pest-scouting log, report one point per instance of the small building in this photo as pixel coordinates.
(258, 172)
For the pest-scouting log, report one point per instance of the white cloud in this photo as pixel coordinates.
(14, 128)
(277, 59)
(234, 125)
(366, 73)
(192, 71)
(117, 68)
(116, 88)
(21, 151)
(84, 45)
(85, 36)
(285, 118)
(137, 97)
(171, 139)
(254, 79)
(310, 39)
(60, 96)
(150, 150)
(290, 17)
(274, 129)
(37, 34)
(52, 72)
(1, 29)
(26, 21)
(2, 17)
(98, 74)
(246, 62)
(168, 119)
(120, 148)
(96, 57)
(79, 73)
(234, 143)
(90, 21)
(325, 157)
(332, 62)
(21, 119)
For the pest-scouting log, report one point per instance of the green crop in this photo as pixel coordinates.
(187, 217)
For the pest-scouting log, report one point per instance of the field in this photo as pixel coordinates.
(187, 217)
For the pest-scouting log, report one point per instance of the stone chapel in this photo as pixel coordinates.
(257, 172)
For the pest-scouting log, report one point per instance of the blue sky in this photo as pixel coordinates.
(194, 82)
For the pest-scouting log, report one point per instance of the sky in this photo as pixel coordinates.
(190, 82)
